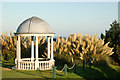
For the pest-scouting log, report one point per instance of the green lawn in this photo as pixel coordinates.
(93, 72)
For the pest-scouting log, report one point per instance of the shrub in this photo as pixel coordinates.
(112, 35)
(102, 60)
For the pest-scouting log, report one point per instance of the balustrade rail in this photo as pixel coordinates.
(27, 64)
(44, 65)
(24, 65)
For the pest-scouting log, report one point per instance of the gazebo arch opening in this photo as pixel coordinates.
(34, 28)
(25, 47)
(42, 47)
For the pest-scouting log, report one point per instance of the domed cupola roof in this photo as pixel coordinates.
(34, 25)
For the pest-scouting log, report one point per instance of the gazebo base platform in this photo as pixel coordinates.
(28, 64)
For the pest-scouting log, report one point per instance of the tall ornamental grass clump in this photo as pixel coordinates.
(79, 48)
(74, 48)
(8, 46)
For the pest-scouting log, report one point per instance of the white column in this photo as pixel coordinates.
(36, 62)
(51, 47)
(48, 47)
(19, 52)
(19, 47)
(36, 48)
(32, 49)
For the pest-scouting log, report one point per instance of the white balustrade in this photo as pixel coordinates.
(44, 65)
(27, 64)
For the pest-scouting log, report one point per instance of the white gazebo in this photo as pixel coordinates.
(34, 27)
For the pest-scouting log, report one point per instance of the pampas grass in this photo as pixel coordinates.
(75, 45)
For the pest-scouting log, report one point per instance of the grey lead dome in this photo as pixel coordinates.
(34, 25)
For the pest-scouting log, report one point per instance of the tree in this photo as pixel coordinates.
(102, 36)
(113, 36)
